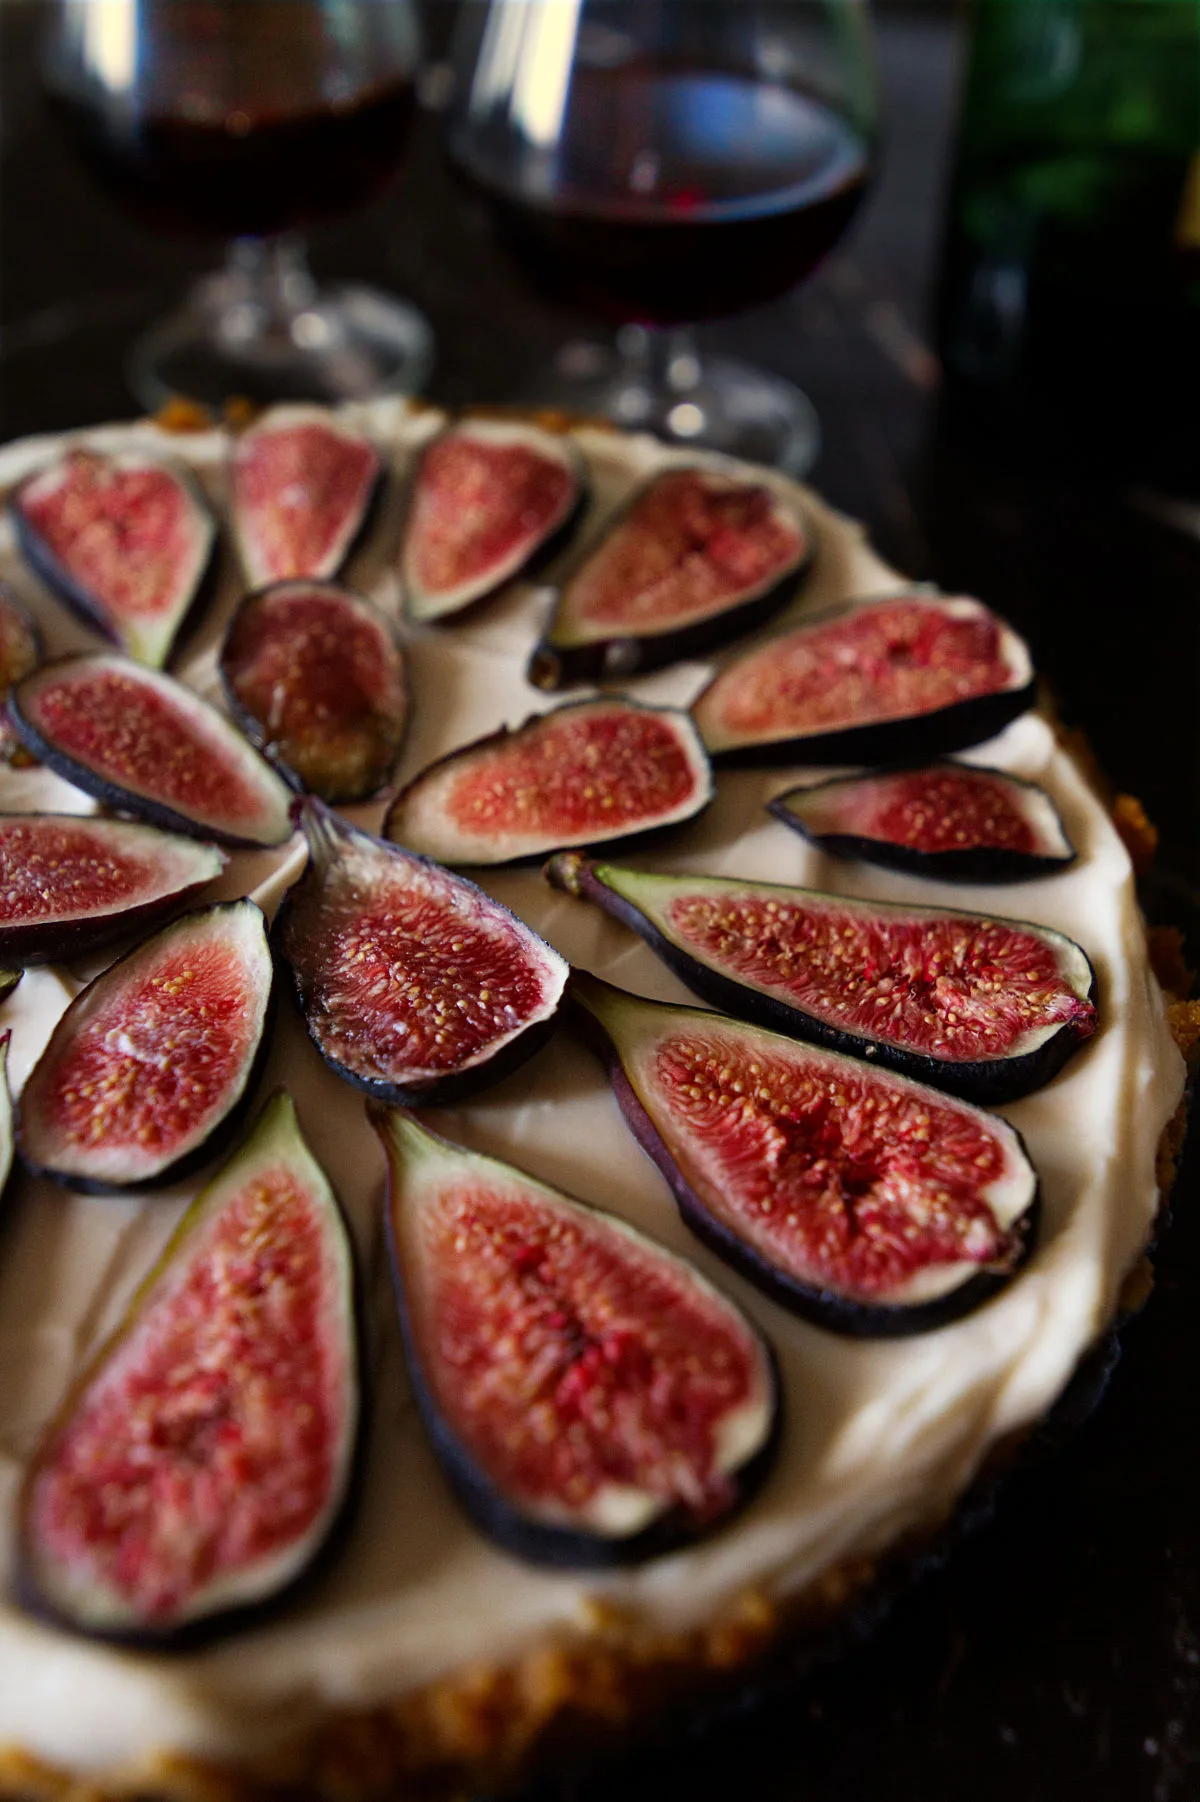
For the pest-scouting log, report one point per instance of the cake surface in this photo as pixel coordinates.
(879, 1438)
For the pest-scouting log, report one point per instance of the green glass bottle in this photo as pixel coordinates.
(1071, 267)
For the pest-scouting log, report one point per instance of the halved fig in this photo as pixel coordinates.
(863, 1201)
(956, 822)
(154, 1062)
(908, 676)
(592, 1398)
(144, 744)
(301, 488)
(126, 540)
(20, 652)
(582, 774)
(697, 557)
(200, 1463)
(69, 883)
(489, 496)
(983, 1007)
(316, 679)
(414, 984)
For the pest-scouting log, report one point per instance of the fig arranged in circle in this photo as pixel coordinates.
(956, 822)
(414, 984)
(125, 540)
(301, 487)
(582, 774)
(70, 883)
(698, 556)
(983, 1007)
(316, 679)
(489, 497)
(592, 1398)
(144, 744)
(20, 653)
(154, 1062)
(867, 1203)
(202, 1460)
(910, 675)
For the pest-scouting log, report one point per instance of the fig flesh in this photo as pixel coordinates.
(301, 488)
(956, 822)
(980, 1006)
(414, 984)
(204, 1457)
(70, 883)
(699, 556)
(316, 679)
(912, 675)
(582, 774)
(489, 497)
(125, 540)
(592, 1398)
(863, 1201)
(154, 1062)
(20, 653)
(144, 744)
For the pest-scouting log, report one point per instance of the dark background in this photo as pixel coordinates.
(1055, 1652)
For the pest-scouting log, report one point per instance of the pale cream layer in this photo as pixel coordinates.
(878, 1436)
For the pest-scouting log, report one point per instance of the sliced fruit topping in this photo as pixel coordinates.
(863, 1201)
(593, 1400)
(698, 556)
(413, 983)
(578, 775)
(302, 483)
(907, 676)
(20, 652)
(956, 822)
(315, 676)
(153, 1063)
(982, 1007)
(147, 745)
(488, 496)
(69, 883)
(201, 1461)
(125, 540)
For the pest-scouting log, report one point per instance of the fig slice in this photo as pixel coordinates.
(907, 676)
(20, 653)
(70, 883)
(204, 1456)
(983, 1007)
(144, 744)
(698, 556)
(414, 984)
(956, 822)
(592, 1399)
(301, 487)
(582, 774)
(489, 496)
(153, 1063)
(316, 678)
(863, 1201)
(125, 540)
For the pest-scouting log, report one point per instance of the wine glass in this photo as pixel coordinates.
(664, 162)
(246, 119)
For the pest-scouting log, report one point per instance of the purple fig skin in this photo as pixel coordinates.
(986, 1082)
(59, 941)
(837, 1313)
(536, 1542)
(977, 864)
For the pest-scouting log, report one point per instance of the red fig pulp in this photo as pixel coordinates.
(302, 484)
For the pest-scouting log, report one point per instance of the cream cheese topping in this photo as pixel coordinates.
(878, 1435)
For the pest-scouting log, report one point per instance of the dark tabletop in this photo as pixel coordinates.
(1055, 1651)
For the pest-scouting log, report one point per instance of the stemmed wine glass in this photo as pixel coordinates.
(668, 161)
(247, 119)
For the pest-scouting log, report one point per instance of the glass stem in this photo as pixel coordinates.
(269, 284)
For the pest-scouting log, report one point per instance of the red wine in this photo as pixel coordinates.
(248, 174)
(676, 195)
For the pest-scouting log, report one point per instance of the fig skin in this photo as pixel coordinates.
(499, 1518)
(838, 1313)
(987, 1082)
